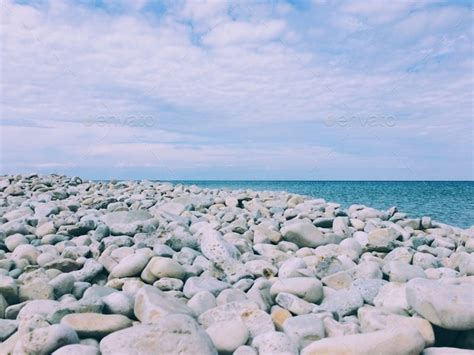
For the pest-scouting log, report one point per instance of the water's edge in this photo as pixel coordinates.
(448, 202)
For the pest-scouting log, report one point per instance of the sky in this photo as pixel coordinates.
(264, 90)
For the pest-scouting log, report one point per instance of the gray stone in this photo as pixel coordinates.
(62, 284)
(7, 328)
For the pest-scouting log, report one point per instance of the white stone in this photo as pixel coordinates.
(309, 289)
(152, 304)
(392, 341)
(446, 304)
(303, 330)
(227, 336)
(303, 234)
(172, 335)
(274, 343)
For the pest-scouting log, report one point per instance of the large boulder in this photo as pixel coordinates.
(391, 341)
(171, 334)
(446, 303)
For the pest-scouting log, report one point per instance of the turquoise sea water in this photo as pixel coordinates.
(450, 202)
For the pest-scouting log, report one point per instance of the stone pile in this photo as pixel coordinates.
(154, 268)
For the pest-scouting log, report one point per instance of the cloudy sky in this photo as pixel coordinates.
(365, 89)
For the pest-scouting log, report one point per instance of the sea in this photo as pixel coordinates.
(450, 202)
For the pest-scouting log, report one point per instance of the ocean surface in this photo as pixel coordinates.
(450, 202)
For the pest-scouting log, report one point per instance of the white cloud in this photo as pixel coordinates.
(196, 67)
(232, 33)
(379, 12)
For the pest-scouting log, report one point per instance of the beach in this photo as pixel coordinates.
(145, 267)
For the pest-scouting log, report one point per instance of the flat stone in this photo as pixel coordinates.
(172, 334)
(95, 325)
(77, 349)
(392, 341)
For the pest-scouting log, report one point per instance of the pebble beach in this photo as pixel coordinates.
(141, 267)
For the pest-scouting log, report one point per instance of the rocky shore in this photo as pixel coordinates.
(155, 268)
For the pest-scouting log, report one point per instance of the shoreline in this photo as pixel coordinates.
(420, 198)
(98, 267)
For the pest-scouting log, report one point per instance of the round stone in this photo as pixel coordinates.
(228, 336)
